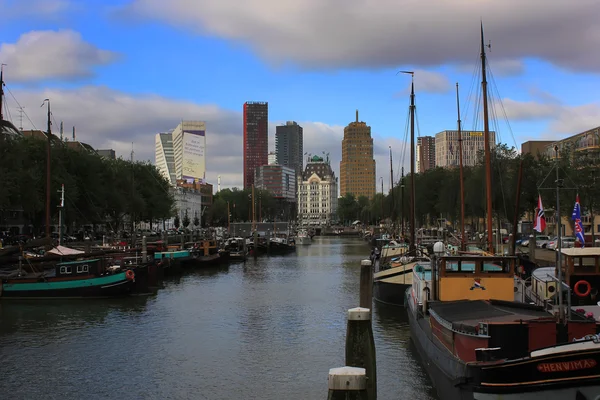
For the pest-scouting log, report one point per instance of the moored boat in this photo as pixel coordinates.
(74, 279)
(389, 285)
(478, 343)
(303, 238)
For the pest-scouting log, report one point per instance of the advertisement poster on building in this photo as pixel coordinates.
(194, 157)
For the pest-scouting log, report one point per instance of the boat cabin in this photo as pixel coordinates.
(475, 278)
(79, 268)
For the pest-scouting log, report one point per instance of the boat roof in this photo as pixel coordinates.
(472, 312)
(581, 252)
(544, 274)
(78, 262)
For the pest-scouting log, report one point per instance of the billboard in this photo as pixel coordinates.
(194, 155)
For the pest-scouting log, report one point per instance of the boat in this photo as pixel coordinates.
(477, 341)
(205, 252)
(238, 251)
(73, 279)
(281, 243)
(172, 260)
(303, 238)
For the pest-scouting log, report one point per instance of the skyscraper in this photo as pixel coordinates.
(189, 150)
(357, 168)
(446, 147)
(425, 153)
(289, 146)
(163, 157)
(256, 139)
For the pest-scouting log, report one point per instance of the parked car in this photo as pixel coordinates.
(567, 242)
(542, 241)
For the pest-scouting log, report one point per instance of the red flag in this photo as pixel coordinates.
(540, 219)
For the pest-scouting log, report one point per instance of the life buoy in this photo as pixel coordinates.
(588, 288)
(129, 275)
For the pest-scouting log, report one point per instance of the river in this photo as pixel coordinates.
(268, 329)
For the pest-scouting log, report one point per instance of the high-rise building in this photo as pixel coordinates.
(256, 139)
(535, 147)
(272, 158)
(289, 146)
(425, 153)
(317, 193)
(446, 147)
(189, 151)
(357, 168)
(163, 156)
(277, 179)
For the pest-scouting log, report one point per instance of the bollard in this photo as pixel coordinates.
(532, 248)
(360, 347)
(347, 383)
(366, 284)
(144, 250)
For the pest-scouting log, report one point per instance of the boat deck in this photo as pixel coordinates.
(472, 312)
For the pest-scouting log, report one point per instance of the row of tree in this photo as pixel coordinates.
(437, 190)
(97, 190)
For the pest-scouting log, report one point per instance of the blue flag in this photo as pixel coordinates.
(578, 225)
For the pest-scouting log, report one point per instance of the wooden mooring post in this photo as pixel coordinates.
(366, 284)
(360, 346)
(347, 383)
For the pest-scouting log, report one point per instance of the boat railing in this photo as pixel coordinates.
(527, 293)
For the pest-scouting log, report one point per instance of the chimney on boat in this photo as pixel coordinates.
(357, 115)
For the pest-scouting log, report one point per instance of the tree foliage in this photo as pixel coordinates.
(97, 190)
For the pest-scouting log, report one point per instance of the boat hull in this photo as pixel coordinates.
(98, 287)
(303, 240)
(389, 293)
(455, 380)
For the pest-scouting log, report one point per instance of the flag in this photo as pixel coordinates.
(578, 225)
(540, 219)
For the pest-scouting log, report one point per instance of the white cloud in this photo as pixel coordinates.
(40, 9)
(105, 118)
(427, 82)
(563, 120)
(387, 33)
(39, 55)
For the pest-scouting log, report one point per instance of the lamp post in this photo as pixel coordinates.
(438, 250)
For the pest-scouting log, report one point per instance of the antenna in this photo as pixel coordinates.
(73, 132)
(61, 131)
(132, 152)
(20, 108)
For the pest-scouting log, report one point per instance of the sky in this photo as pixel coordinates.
(123, 70)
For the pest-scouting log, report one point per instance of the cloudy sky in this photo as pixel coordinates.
(123, 70)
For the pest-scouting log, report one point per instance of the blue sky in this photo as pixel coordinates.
(123, 70)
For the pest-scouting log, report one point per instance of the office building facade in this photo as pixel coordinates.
(256, 139)
(357, 168)
(425, 153)
(447, 145)
(317, 193)
(289, 146)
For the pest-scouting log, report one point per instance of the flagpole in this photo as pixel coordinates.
(561, 311)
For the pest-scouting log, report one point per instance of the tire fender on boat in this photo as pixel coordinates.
(130, 275)
(577, 288)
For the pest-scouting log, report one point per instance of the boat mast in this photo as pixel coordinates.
(486, 141)
(60, 211)
(561, 310)
(48, 165)
(393, 204)
(412, 164)
(462, 183)
(1, 90)
(402, 201)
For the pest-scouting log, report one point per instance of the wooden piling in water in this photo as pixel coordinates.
(144, 250)
(360, 347)
(532, 248)
(366, 284)
(347, 383)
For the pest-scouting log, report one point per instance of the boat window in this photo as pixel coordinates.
(460, 266)
(68, 270)
(496, 266)
(63, 270)
(82, 268)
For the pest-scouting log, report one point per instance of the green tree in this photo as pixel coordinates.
(176, 222)
(186, 220)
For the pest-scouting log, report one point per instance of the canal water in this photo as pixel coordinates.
(268, 329)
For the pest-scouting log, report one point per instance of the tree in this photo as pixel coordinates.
(186, 220)
(196, 221)
(176, 222)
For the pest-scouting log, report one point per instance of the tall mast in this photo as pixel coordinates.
(402, 201)
(393, 204)
(1, 90)
(462, 183)
(48, 158)
(486, 141)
